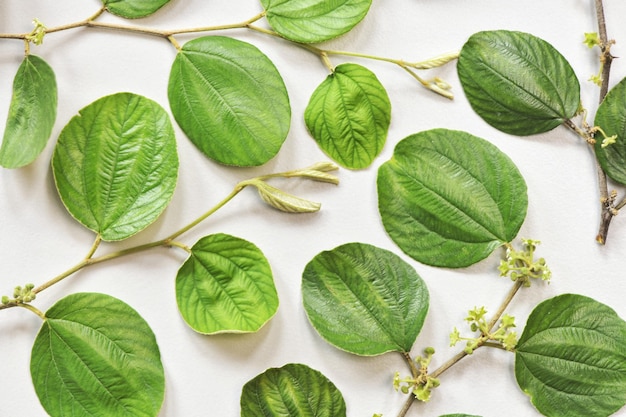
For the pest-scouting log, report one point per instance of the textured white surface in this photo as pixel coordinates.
(204, 375)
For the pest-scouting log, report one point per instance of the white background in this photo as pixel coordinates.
(204, 375)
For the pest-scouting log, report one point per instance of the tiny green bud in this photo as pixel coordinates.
(5, 299)
(608, 141)
(591, 39)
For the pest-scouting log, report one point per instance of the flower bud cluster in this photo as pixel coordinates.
(20, 295)
(422, 384)
(503, 335)
(521, 265)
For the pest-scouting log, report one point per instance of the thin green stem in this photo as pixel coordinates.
(505, 304)
(94, 247)
(411, 363)
(200, 219)
(33, 309)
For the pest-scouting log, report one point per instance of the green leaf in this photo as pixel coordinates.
(32, 113)
(517, 82)
(571, 358)
(95, 355)
(364, 300)
(310, 21)
(349, 116)
(115, 165)
(230, 100)
(133, 9)
(293, 390)
(226, 285)
(611, 117)
(449, 199)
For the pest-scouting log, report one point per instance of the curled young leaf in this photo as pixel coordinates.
(283, 201)
(309, 21)
(115, 165)
(364, 300)
(293, 390)
(95, 355)
(349, 116)
(32, 113)
(449, 199)
(230, 100)
(518, 83)
(133, 9)
(611, 118)
(226, 285)
(571, 358)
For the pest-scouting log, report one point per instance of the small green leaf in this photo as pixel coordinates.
(518, 83)
(32, 113)
(571, 358)
(448, 198)
(133, 9)
(310, 21)
(364, 300)
(226, 285)
(349, 116)
(611, 117)
(230, 100)
(95, 355)
(293, 390)
(115, 165)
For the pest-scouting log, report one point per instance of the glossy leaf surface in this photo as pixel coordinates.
(226, 285)
(349, 116)
(611, 117)
(518, 83)
(32, 113)
(309, 21)
(115, 164)
(448, 198)
(133, 9)
(571, 358)
(95, 355)
(364, 300)
(230, 100)
(293, 390)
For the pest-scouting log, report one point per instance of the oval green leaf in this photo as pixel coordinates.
(95, 355)
(364, 300)
(226, 285)
(349, 116)
(571, 358)
(611, 117)
(230, 100)
(310, 21)
(32, 113)
(293, 390)
(448, 198)
(518, 83)
(133, 9)
(115, 165)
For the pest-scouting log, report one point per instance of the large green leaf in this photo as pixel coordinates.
(364, 299)
(115, 164)
(133, 9)
(571, 358)
(349, 116)
(96, 356)
(226, 285)
(448, 198)
(518, 83)
(32, 113)
(309, 21)
(293, 390)
(230, 100)
(611, 117)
